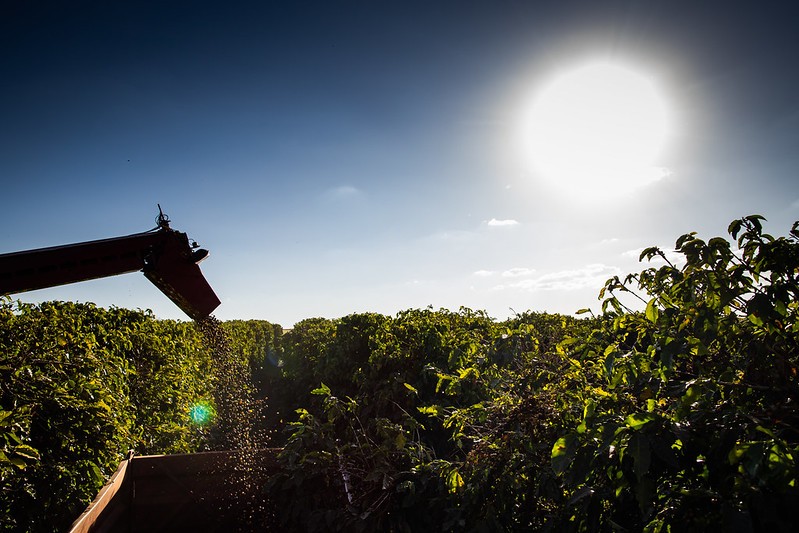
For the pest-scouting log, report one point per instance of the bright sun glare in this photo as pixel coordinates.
(597, 131)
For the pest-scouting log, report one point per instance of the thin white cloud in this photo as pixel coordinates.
(635, 253)
(518, 272)
(589, 276)
(343, 192)
(502, 223)
(673, 256)
(484, 273)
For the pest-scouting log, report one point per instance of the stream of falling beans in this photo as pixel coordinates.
(238, 415)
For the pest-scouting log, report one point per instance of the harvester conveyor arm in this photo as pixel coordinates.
(164, 255)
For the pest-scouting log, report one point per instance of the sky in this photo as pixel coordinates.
(350, 156)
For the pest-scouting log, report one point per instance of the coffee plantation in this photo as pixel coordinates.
(678, 413)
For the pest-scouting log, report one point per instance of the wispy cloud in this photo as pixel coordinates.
(502, 223)
(515, 272)
(343, 192)
(673, 256)
(518, 272)
(589, 276)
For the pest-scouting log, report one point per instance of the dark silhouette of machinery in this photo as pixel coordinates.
(166, 257)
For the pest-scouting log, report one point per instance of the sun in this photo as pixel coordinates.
(596, 131)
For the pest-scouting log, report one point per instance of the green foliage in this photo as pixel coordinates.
(678, 417)
(690, 418)
(79, 386)
(415, 421)
(255, 343)
(170, 373)
(65, 384)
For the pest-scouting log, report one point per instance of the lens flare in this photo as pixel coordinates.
(201, 413)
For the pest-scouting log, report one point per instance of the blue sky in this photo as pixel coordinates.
(339, 157)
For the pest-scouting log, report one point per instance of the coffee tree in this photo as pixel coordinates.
(685, 414)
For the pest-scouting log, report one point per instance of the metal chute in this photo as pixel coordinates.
(165, 256)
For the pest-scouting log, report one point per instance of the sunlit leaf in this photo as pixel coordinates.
(323, 390)
(652, 311)
(638, 420)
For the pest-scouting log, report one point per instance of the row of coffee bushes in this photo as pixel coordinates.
(81, 385)
(679, 414)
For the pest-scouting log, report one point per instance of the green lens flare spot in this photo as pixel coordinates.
(201, 413)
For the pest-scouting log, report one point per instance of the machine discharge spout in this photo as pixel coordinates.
(164, 255)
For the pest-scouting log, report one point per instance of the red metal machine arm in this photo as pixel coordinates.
(164, 255)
